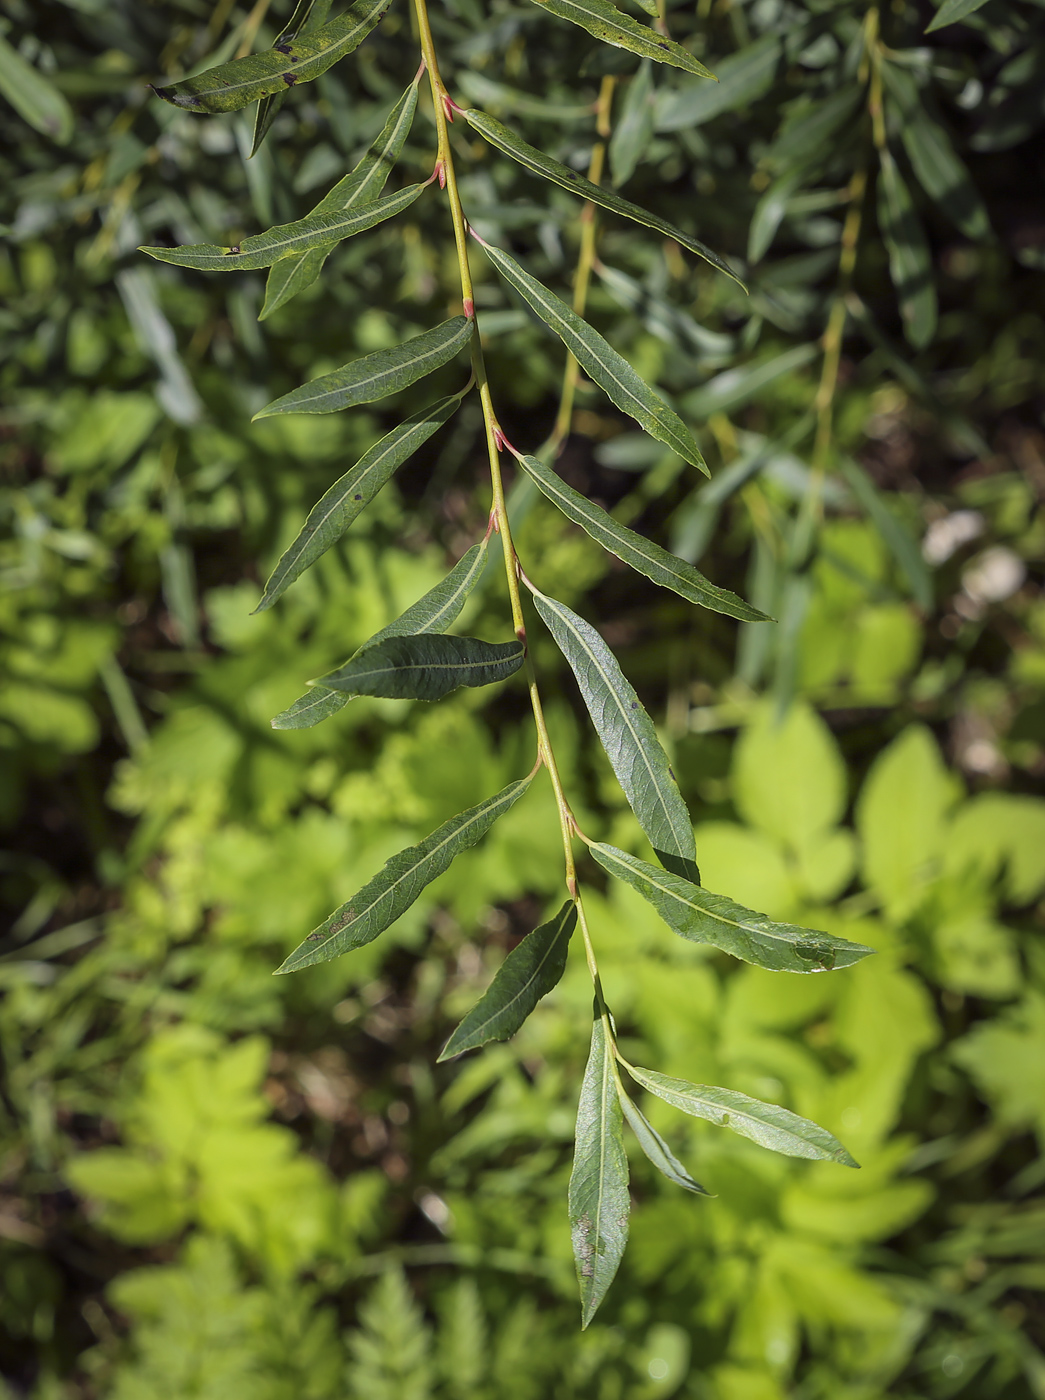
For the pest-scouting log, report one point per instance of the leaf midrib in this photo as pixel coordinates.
(433, 348)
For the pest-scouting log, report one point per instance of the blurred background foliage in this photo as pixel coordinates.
(214, 1184)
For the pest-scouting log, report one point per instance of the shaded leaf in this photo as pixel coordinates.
(34, 97)
(604, 21)
(910, 263)
(769, 214)
(627, 734)
(703, 917)
(632, 131)
(399, 882)
(264, 249)
(643, 555)
(308, 15)
(361, 186)
(528, 973)
(598, 1197)
(538, 163)
(350, 494)
(425, 666)
(765, 1123)
(902, 544)
(245, 80)
(810, 131)
(432, 613)
(741, 78)
(734, 387)
(951, 11)
(598, 359)
(378, 375)
(656, 1149)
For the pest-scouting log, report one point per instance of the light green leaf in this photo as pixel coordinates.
(655, 1148)
(902, 544)
(528, 973)
(627, 734)
(245, 80)
(34, 97)
(741, 78)
(734, 387)
(633, 129)
(951, 11)
(598, 1196)
(765, 1123)
(378, 375)
(704, 917)
(334, 513)
(308, 16)
(643, 555)
(538, 163)
(380, 902)
(361, 186)
(425, 666)
(604, 21)
(432, 613)
(264, 249)
(606, 367)
(910, 263)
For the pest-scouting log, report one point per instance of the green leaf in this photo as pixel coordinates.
(264, 249)
(528, 973)
(334, 513)
(741, 78)
(769, 214)
(606, 367)
(425, 666)
(910, 263)
(734, 387)
(765, 1123)
(809, 132)
(378, 375)
(34, 97)
(432, 613)
(538, 163)
(703, 917)
(643, 555)
(361, 186)
(380, 902)
(604, 21)
(902, 544)
(308, 15)
(245, 80)
(655, 1148)
(598, 1196)
(633, 130)
(951, 11)
(627, 734)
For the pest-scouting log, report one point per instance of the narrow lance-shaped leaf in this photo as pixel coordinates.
(627, 734)
(951, 11)
(538, 163)
(350, 494)
(376, 376)
(308, 15)
(910, 263)
(34, 97)
(361, 186)
(299, 60)
(656, 1149)
(765, 1123)
(528, 973)
(703, 917)
(606, 367)
(632, 132)
(643, 555)
(741, 77)
(604, 21)
(900, 540)
(392, 891)
(598, 1196)
(432, 613)
(425, 667)
(264, 249)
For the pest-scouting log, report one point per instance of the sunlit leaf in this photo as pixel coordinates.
(598, 359)
(703, 917)
(245, 80)
(627, 734)
(538, 163)
(425, 666)
(380, 902)
(656, 1149)
(34, 97)
(264, 249)
(598, 1197)
(910, 262)
(901, 542)
(311, 708)
(604, 21)
(378, 375)
(528, 973)
(643, 555)
(308, 16)
(334, 513)
(765, 1123)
